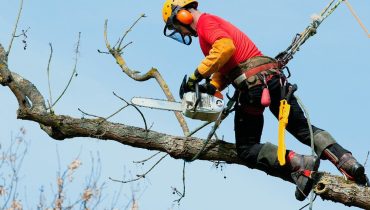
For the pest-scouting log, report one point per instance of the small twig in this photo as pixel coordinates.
(143, 161)
(48, 74)
(24, 33)
(151, 125)
(141, 114)
(87, 114)
(217, 139)
(127, 45)
(125, 34)
(367, 157)
(24, 37)
(103, 52)
(114, 113)
(140, 176)
(104, 118)
(182, 195)
(73, 72)
(198, 129)
(15, 28)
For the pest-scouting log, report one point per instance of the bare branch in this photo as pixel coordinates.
(199, 128)
(141, 176)
(74, 71)
(143, 161)
(99, 51)
(24, 34)
(126, 45)
(87, 114)
(367, 157)
(182, 195)
(15, 28)
(125, 34)
(137, 109)
(153, 73)
(116, 112)
(48, 73)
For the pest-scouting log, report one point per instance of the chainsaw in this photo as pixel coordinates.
(194, 104)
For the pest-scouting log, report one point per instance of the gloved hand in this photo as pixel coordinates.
(192, 80)
(207, 88)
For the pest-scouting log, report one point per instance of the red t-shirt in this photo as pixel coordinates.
(211, 28)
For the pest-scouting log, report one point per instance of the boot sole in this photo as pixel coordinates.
(302, 194)
(360, 176)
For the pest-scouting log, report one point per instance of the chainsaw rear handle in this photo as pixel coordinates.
(183, 87)
(197, 95)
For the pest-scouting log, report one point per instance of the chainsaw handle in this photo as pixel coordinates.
(197, 95)
(183, 87)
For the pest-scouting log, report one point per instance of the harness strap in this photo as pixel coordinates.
(251, 72)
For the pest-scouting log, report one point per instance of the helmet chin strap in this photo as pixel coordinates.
(192, 31)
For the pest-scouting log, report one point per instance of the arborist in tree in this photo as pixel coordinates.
(232, 58)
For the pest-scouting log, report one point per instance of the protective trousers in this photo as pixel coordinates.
(249, 122)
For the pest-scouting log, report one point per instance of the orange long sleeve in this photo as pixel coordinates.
(218, 56)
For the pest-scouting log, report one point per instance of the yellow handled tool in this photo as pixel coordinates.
(284, 111)
(283, 122)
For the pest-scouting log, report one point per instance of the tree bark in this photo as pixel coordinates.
(32, 107)
(336, 189)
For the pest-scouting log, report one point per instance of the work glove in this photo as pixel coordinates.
(194, 78)
(207, 88)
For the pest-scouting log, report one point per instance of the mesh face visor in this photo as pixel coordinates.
(175, 34)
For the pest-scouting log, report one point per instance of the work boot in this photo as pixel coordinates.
(302, 169)
(349, 167)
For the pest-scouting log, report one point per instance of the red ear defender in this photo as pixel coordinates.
(184, 17)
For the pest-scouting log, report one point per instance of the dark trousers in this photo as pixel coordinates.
(249, 120)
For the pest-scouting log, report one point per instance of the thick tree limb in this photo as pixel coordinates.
(32, 107)
(337, 189)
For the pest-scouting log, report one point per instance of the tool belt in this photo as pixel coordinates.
(251, 72)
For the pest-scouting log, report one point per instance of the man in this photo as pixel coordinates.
(232, 58)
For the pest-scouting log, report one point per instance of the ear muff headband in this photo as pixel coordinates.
(184, 17)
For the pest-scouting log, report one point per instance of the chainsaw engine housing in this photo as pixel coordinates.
(208, 108)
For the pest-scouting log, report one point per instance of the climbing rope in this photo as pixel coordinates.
(285, 56)
(312, 198)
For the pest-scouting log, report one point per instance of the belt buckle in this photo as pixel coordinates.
(240, 79)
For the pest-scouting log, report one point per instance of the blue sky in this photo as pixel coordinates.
(331, 71)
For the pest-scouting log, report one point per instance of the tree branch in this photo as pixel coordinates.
(337, 189)
(15, 28)
(151, 74)
(32, 107)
